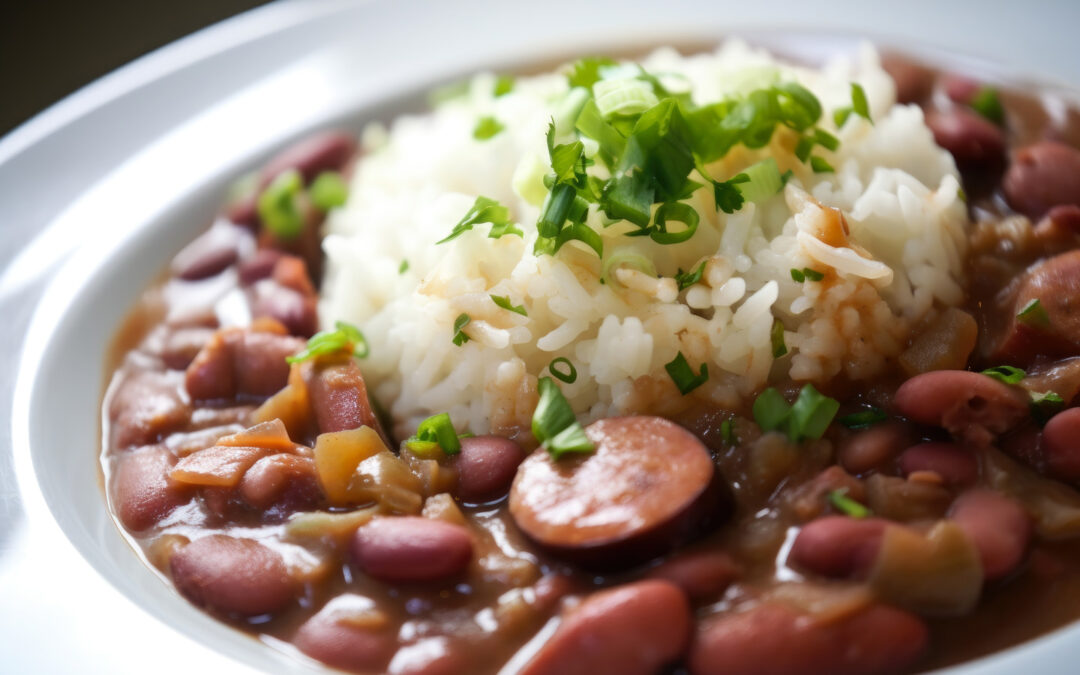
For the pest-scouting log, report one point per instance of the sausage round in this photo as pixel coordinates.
(232, 575)
(649, 486)
(411, 549)
(632, 630)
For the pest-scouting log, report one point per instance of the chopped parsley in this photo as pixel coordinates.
(504, 302)
(805, 274)
(554, 424)
(436, 431)
(344, 338)
(484, 210)
(1006, 374)
(460, 322)
(683, 375)
(567, 374)
(486, 127)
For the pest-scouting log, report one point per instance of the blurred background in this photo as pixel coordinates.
(50, 48)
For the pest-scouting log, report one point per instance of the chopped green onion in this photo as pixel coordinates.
(683, 376)
(504, 302)
(1045, 405)
(807, 418)
(403, 267)
(629, 258)
(623, 97)
(438, 430)
(864, 418)
(278, 207)
(687, 279)
(1033, 314)
(805, 274)
(504, 84)
(328, 190)
(586, 72)
(770, 410)
(570, 374)
(777, 335)
(554, 424)
(798, 275)
(678, 212)
(820, 165)
(727, 431)
(986, 103)
(486, 127)
(484, 210)
(826, 140)
(763, 181)
(1006, 374)
(344, 338)
(460, 322)
(846, 505)
(859, 106)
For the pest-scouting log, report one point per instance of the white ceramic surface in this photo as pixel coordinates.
(98, 191)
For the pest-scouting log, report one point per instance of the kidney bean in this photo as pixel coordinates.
(702, 575)
(323, 151)
(913, 81)
(649, 486)
(259, 266)
(412, 549)
(233, 575)
(486, 466)
(142, 491)
(297, 311)
(340, 399)
(1061, 445)
(144, 407)
(1054, 282)
(999, 527)
(181, 345)
(972, 140)
(895, 498)
(969, 405)
(431, 656)
(212, 252)
(241, 362)
(960, 89)
(773, 638)
(244, 211)
(331, 637)
(281, 484)
(1059, 229)
(954, 463)
(631, 629)
(1041, 176)
(870, 448)
(838, 546)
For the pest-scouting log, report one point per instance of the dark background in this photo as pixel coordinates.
(50, 48)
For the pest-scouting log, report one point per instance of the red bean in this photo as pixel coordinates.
(1061, 445)
(324, 151)
(703, 575)
(339, 398)
(954, 463)
(331, 638)
(486, 467)
(259, 266)
(838, 546)
(412, 549)
(298, 312)
(971, 406)
(960, 89)
(144, 407)
(182, 345)
(913, 81)
(1059, 229)
(1054, 283)
(241, 362)
(212, 252)
(233, 575)
(649, 486)
(281, 484)
(633, 629)
(870, 448)
(973, 141)
(772, 638)
(1042, 176)
(999, 527)
(142, 491)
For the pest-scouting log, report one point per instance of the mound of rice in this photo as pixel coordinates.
(886, 228)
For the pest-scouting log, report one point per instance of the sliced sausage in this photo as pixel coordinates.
(340, 399)
(411, 549)
(774, 639)
(233, 575)
(649, 486)
(335, 636)
(142, 491)
(955, 464)
(1042, 176)
(486, 466)
(971, 406)
(1061, 445)
(1055, 284)
(703, 575)
(999, 527)
(974, 142)
(633, 630)
(238, 362)
(144, 407)
(838, 546)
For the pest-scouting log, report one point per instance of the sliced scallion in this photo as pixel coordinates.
(1006, 374)
(328, 190)
(278, 207)
(777, 337)
(486, 127)
(683, 376)
(1033, 314)
(563, 370)
(863, 419)
(344, 338)
(763, 181)
(846, 505)
(554, 424)
(438, 430)
(484, 210)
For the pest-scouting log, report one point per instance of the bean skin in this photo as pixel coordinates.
(281, 483)
(999, 527)
(774, 639)
(702, 575)
(142, 491)
(331, 638)
(486, 466)
(973, 141)
(632, 630)
(233, 575)
(1041, 176)
(870, 448)
(971, 406)
(407, 549)
(838, 546)
(954, 463)
(1061, 445)
(1054, 283)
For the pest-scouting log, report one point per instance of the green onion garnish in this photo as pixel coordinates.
(770, 410)
(344, 338)
(807, 418)
(554, 424)
(798, 275)
(805, 274)
(460, 322)
(727, 431)
(1033, 314)
(859, 106)
(484, 210)
(486, 127)
(278, 207)
(1006, 374)
(504, 302)
(403, 267)
(504, 84)
(436, 430)
(986, 103)
(683, 376)
(569, 375)
(846, 505)
(687, 279)
(1045, 405)
(328, 190)
(863, 419)
(777, 336)
(678, 212)
(820, 165)
(763, 181)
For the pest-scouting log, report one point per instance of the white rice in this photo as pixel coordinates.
(898, 192)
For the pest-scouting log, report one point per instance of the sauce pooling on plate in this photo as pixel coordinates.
(898, 520)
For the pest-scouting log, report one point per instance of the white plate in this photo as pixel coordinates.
(114, 179)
